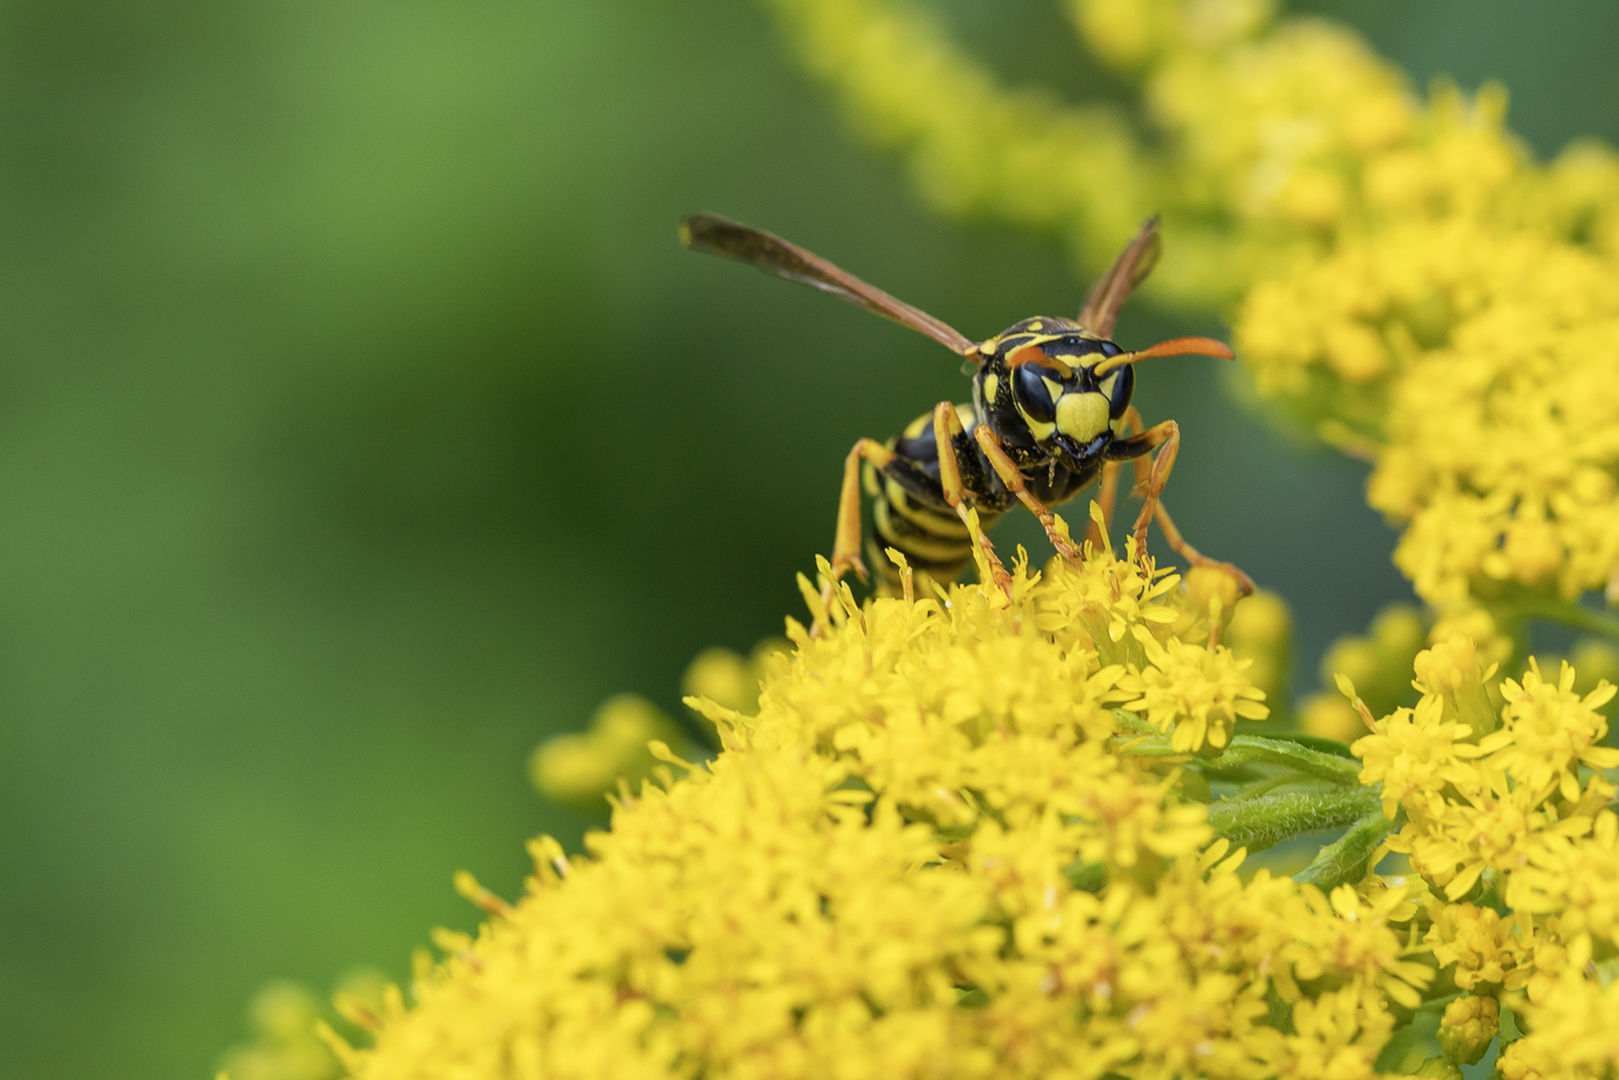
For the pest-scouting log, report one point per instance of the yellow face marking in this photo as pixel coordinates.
(1082, 416)
(1037, 326)
(1106, 385)
(1039, 428)
(992, 383)
(1053, 387)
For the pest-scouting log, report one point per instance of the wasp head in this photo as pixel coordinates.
(1038, 388)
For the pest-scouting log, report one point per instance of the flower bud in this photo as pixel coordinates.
(1438, 1068)
(1451, 670)
(723, 676)
(1469, 1026)
(1331, 717)
(580, 767)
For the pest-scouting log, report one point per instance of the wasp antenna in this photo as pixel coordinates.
(1034, 354)
(1181, 346)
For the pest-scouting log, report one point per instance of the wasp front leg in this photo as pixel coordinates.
(1012, 477)
(1164, 437)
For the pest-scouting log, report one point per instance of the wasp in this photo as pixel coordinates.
(1050, 413)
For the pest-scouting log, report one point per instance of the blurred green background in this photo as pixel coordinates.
(361, 424)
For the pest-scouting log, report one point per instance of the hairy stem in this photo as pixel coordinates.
(1257, 750)
(1259, 823)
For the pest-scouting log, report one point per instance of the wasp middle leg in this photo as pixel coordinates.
(947, 427)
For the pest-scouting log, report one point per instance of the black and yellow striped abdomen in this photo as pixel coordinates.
(909, 511)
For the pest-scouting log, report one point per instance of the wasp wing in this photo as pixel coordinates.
(1101, 311)
(773, 255)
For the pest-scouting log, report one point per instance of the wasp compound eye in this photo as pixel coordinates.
(1118, 387)
(1033, 393)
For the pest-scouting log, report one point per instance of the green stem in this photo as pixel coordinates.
(1256, 750)
(1348, 858)
(1571, 615)
(1269, 819)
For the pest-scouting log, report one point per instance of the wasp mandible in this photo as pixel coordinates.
(1050, 413)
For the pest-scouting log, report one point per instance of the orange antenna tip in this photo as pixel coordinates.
(1182, 346)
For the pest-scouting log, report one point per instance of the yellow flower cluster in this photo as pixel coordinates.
(1508, 817)
(930, 851)
(1413, 286)
(1498, 439)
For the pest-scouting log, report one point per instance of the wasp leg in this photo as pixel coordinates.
(946, 426)
(846, 542)
(846, 539)
(1166, 439)
(1012, 477)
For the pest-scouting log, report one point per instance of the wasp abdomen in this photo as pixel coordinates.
(909, 509)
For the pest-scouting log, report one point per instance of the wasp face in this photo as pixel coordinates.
(1038, 391)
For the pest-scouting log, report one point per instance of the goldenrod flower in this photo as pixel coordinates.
(1573, 1028)
(1549, 732)
(1415, 756)
(1480, 942)
(1197, 692)
(880, 875)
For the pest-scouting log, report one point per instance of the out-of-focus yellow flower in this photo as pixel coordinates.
(286, 1019)
(1378, 664)
(579, 768)
(284, 1044)
(1260, 632)
(728, 678)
